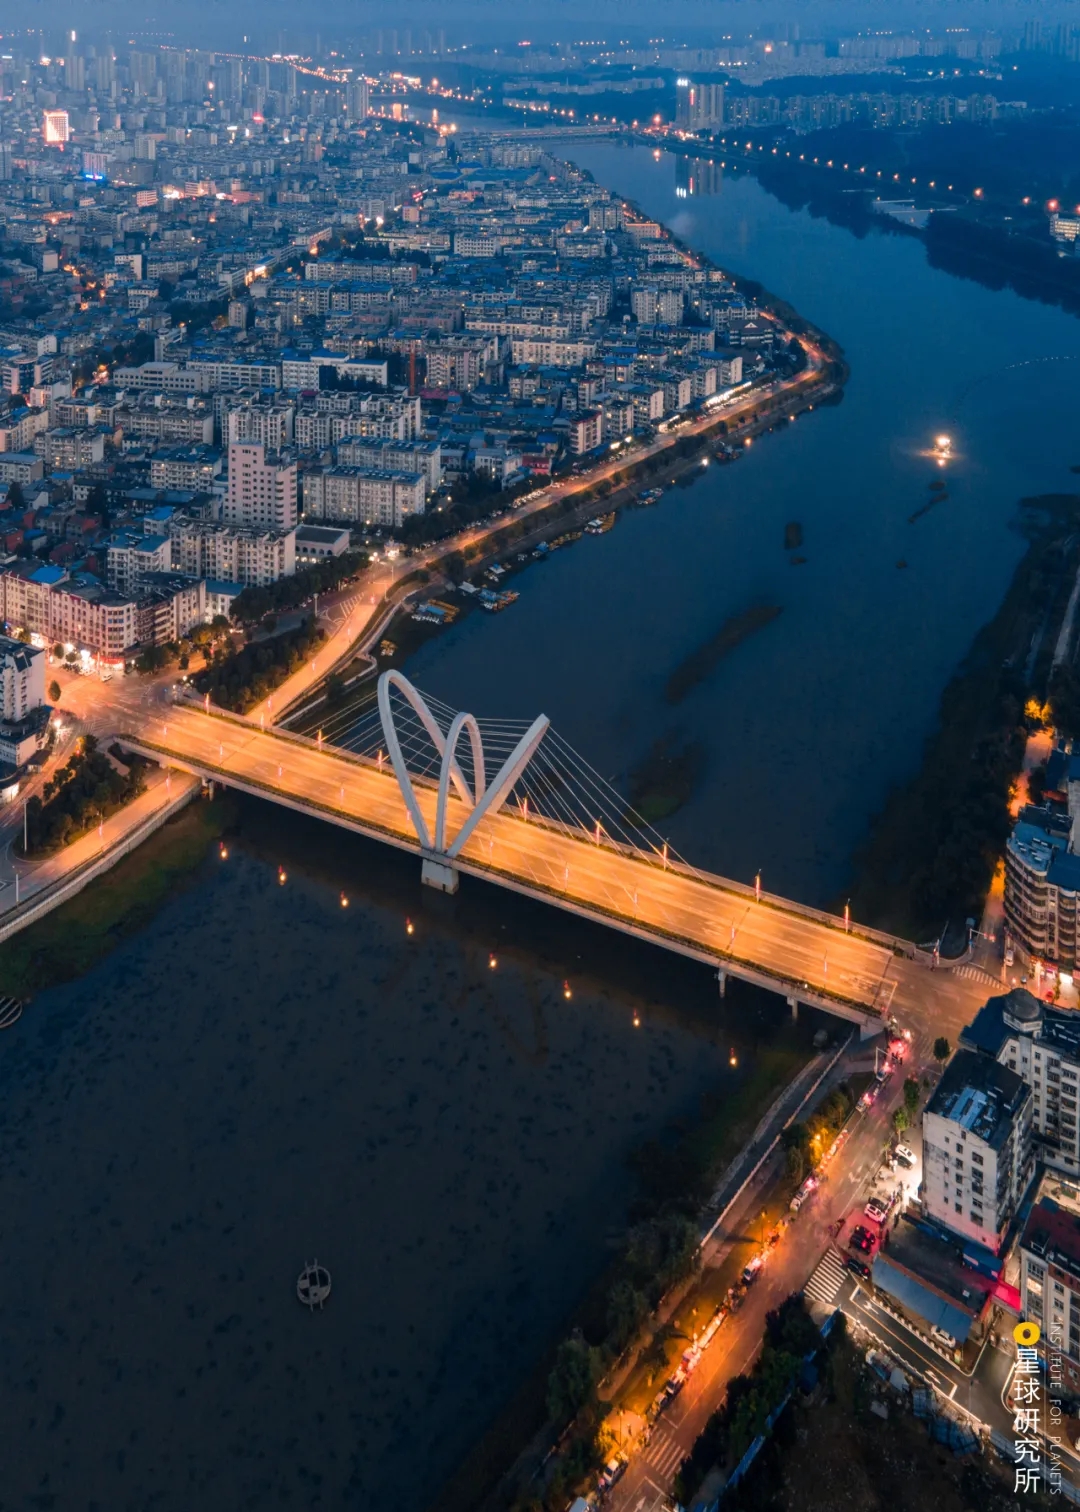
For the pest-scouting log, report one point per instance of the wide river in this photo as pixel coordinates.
(263, 1077)
(808, 723)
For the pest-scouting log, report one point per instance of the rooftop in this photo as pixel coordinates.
(980, 1095)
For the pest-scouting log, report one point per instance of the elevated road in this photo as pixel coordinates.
(809, 958)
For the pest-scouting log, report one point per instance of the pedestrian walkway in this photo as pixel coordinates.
(827, 1279)
(664, 1452)
(976, 974)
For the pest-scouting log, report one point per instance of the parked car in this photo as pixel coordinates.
(904, 1155)
(860, 1267)
(877, 1210)
(752, 1270)
(1010, 956)
(862, 1239)
(943, 1338)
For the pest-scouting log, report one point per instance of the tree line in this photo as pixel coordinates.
(86, 790)
(290, 592)
(239, 679)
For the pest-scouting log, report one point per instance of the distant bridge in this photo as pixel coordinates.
(514, 804)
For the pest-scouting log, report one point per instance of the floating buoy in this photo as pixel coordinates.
(566, 990)
(408, 926)
(281, 874)
(492, 961)
(223, 851)
(344, 901)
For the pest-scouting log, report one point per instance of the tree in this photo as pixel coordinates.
(335, 688)
(454, 567)
(900, 1120)
(572, 1379)
(54, 691)
(58, 652)
(626, 1310)
(941, 1050)
(15, 496)
(911, 1095)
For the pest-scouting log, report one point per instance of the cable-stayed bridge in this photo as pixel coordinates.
(514, 803)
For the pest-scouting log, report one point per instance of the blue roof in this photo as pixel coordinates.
(48, 574)
(1065, 872)
(921, 1299)
(216, 585)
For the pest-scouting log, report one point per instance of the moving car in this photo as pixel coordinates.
(877, 1210)
(860, 1267)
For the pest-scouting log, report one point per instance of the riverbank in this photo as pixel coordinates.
(76, 936)
(676, 464)
(931, 852)
(959, 236)
(671, 1175)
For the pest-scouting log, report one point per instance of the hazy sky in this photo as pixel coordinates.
(222, 23)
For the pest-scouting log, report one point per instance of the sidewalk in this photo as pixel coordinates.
(59, 876)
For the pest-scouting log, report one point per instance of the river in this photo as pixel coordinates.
(807, 724)
(264, 1076)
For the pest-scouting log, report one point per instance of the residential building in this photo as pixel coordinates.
(1049, 1252)
(360, 495)
(374, 453)
(586, 431)
(698, 106)
(262, 487)
(977, 1151)
(185, 467)
(22, 679)
(1042, 1045)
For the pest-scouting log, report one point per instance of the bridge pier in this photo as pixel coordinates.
(439, 874)
(721, 978)
(793, 1004)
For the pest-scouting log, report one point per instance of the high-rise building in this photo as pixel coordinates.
(358, 100)
(1050, 1276)
(55, 127)
(698, 107)
(977, 1152)
(262, 487)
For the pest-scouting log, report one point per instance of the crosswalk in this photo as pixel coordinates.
(827, 1279)
(975, 974)
(664, 1452)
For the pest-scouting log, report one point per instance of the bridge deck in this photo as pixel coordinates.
(784, 949)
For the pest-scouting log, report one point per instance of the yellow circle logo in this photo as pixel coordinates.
(1027, 1333)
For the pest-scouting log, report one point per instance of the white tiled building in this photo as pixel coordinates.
(362, 495)
(977, 1158)
(262, 488)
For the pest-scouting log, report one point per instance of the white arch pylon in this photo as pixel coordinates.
(485, 800)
